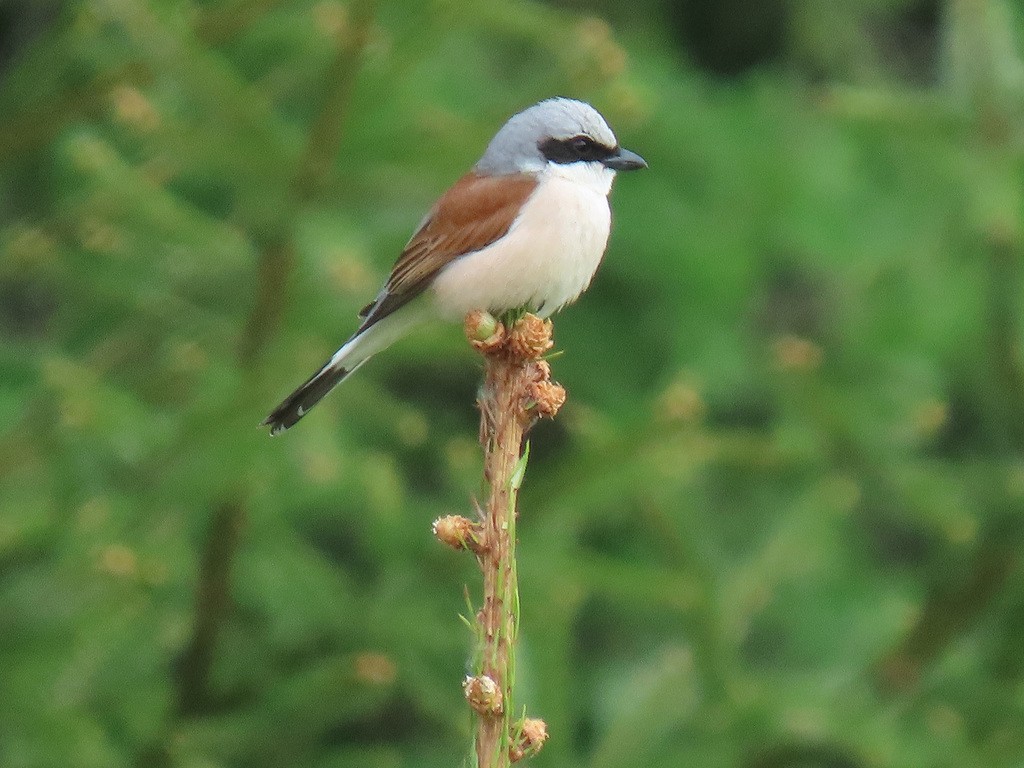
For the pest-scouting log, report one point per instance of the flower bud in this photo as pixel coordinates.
(458, 532)
(530, 338)
(484, 331)
(533, 732)
(483, 695)
(547, 397)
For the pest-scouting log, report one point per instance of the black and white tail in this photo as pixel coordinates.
(366, 342)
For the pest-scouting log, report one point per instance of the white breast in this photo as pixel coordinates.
(549, 255)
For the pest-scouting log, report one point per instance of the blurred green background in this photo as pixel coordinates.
(778, 523)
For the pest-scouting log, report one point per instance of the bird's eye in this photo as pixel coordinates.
(582, 145)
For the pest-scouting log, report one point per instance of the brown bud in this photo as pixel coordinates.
(375, 668)
(483, 695)
(681, 403)
(458, 532)
(533, 732)
(547, 397)
(530, 338)
(133, 109)
(793, 353)
(484, 331)
(539, 370)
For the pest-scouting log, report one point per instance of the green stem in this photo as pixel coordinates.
(502, 433)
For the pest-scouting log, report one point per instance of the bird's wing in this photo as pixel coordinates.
(475, 212)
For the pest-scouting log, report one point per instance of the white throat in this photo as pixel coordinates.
(594, 176)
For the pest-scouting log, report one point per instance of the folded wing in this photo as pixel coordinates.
(474, 213)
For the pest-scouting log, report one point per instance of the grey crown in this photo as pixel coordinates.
(515, 148)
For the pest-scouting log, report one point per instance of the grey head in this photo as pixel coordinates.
(556, 130)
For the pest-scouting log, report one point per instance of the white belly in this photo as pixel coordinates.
(548, 257)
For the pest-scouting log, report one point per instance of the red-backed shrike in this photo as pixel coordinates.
(526, 227)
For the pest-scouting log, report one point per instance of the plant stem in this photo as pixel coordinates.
(517, 390)
(502, 432)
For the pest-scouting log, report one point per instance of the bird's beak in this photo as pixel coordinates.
(624, 160)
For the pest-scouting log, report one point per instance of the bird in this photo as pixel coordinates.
(526, 227)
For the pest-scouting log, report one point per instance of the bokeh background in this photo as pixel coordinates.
(779, 522)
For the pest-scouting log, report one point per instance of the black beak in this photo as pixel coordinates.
(624, 160)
